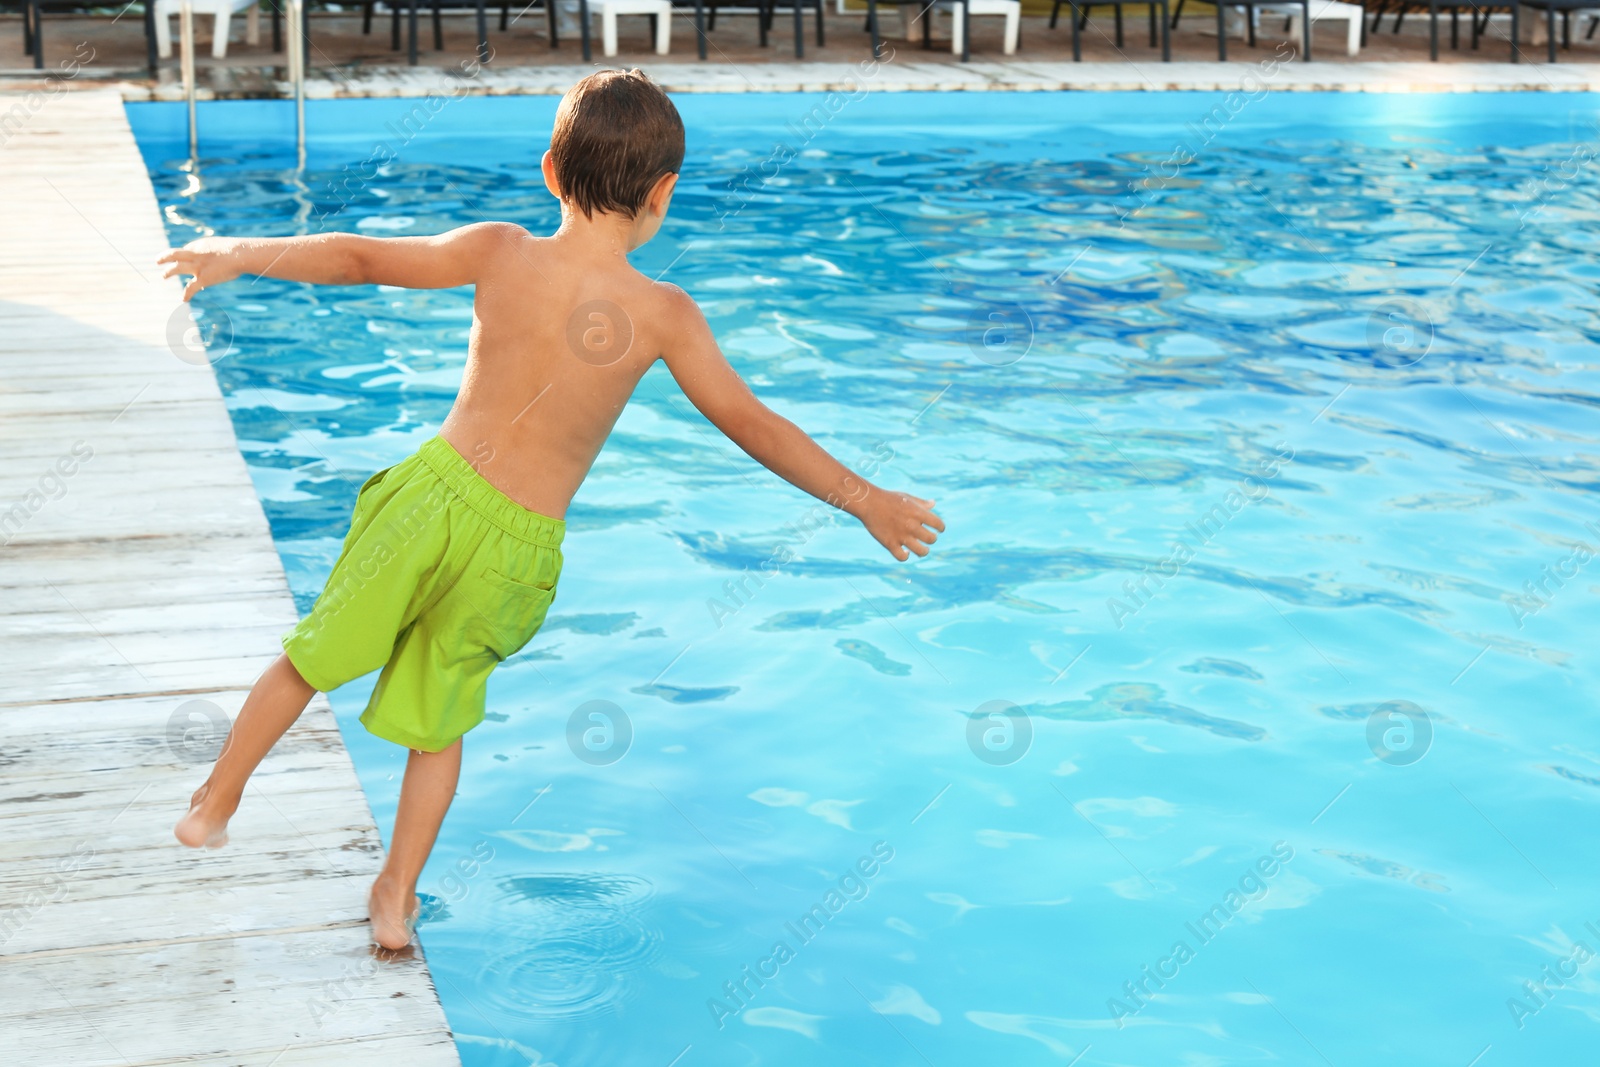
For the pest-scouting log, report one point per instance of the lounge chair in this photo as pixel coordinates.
(409, 7)
(1352, 15)
(660, 12)
(221, 12)
(1081, 21)
(961, 21)
(1567, 8)
(1478, 12)
(397, 6)
(768, 8)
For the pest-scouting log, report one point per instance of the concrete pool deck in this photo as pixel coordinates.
(141, 597)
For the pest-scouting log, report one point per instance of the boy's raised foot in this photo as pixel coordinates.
(393, 909)
(206, 825)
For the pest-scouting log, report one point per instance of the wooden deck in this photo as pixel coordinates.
(137, 574)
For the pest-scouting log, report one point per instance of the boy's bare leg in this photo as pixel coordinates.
(277, 700)
(425, 795)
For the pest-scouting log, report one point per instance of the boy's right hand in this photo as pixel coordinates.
(209, 261)
(902, 523)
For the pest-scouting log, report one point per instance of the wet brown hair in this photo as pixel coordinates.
(616, 133)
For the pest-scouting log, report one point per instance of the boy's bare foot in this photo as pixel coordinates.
(206, 824)
(393, 909)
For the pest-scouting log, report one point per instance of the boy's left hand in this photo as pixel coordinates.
(902, 523)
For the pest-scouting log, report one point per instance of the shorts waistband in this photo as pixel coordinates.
(475, 491)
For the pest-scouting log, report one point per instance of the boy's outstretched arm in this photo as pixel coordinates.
(440, 262)
(901, 523)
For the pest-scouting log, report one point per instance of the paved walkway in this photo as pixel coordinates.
(140, 595)
(902, 74)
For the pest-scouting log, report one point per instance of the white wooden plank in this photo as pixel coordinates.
(206, 999)
(144, 581)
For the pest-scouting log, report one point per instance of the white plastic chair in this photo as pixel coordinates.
(223, 11)
(1329, 11)
(608, 10)
(1011, 9)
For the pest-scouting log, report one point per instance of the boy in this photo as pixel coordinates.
(450, 566)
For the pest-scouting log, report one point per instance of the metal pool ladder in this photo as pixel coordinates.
(297, 74)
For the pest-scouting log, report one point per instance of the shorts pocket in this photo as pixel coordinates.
(518, 585)
(518, 610)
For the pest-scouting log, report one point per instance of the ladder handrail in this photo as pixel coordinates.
(186, 34)
(297, 75)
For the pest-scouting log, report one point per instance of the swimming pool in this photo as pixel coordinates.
(1265, 431)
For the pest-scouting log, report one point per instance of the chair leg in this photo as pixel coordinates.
(1176, 12)
(366, 17)
(1433, 30)
(1077, 46)
(1455, 29)
(1054, 11)
(1250, 24)
(394, 26)
(700, 26)
(820, 40)
(38, 34)
(1307, 30)
(1166, 35)
(554, 27)
(438, 28)
(1152, 11)
(1118, 9)
(150, 36)
(483, 34)
(799, 29)
(1013, 31)
(27, 29)
(505, 14)
(220, 24)
(966, 31)
(1566, 29)
(163, 35)
(1399, 17)
(1550, 26)
(872, 27)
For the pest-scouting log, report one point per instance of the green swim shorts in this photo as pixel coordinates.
(441, 577)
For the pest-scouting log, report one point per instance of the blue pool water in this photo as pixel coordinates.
(1268, 448)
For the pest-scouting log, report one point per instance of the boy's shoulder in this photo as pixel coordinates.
(676, 303)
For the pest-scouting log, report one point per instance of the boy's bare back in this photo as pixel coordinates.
(560, 338)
